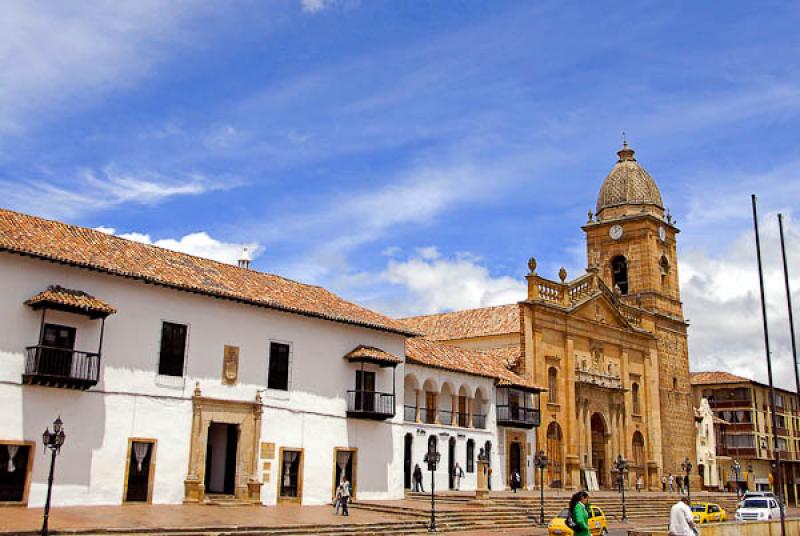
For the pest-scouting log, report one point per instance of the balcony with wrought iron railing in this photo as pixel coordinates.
(518, 417)
(370, 405)
(59, 367)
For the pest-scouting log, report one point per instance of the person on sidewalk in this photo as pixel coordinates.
(663, 483)
(338, 500)
(680, 484)
(418, 479)
(458, 474)
(579, 514)
(681, 521)
(515, 480)
(639, 484)
(671, 483)
(344, 493)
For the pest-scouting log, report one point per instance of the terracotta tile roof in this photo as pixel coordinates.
(370, 354)
(486, 321)
(87, 248)
(715, 376)
(489, 364)
(66, 298)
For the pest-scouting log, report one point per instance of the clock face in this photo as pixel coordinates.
(662, 233)
(615, 232)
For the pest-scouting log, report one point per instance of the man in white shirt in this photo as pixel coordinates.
(681, 522)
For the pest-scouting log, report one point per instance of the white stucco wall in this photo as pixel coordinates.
(131, 400)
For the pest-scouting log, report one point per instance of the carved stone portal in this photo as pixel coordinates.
(245, 415)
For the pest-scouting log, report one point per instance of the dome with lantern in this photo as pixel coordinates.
(628, 183)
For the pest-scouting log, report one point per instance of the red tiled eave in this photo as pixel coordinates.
(60, 297)
(370, 354)
(86, 248)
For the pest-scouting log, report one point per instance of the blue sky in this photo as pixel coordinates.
(412, 155)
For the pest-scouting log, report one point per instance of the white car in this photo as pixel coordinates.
(758, 508)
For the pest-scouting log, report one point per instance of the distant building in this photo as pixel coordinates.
(610, 346)
(746, 436)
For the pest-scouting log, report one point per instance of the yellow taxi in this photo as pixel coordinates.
(598, 525)
(708, 512)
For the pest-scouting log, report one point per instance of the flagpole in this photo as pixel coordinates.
(775, 451)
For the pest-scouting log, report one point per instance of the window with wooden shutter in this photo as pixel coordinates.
(278, 374)
(173, 349)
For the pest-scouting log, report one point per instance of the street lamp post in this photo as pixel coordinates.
(52, 440)
(432, 459)
(540, 462)
(736, 469)
(687, 468)
(621, 467)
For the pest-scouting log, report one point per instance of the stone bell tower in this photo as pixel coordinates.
(631, 243)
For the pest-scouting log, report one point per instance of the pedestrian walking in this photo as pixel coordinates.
(680, 484)
(418, 479)
(671, 483)
(663, 483)
(515, 480)
(639, 484)
(578, 517)
(681, 521)
(337, 501)
(458, 474)
(344, 493)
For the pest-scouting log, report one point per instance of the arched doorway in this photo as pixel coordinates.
(599, 443)
(638, 458)
(619, 273)
(554, 448)
(407, 453)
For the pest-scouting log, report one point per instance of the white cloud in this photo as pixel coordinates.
(55, 56)
(429, 283)
(722, 301)
(91, 191)
(313, 6)
(200, 244)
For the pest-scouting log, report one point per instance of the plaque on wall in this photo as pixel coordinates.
(230, 365)
(268, 450)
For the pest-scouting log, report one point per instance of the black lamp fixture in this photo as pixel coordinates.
(432, 459)
(621, 467)
(54, 441)
(540, 462)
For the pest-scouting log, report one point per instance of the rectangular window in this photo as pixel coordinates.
(278, 375)
(365, 390)
(290, 485)
(141, 461)
(173, 349)
(14, 472)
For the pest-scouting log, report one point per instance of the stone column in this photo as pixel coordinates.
(469, 413)
(193, 491)
(581, 433)
(254, 484)
(417, 405)
(626, 383)
(435, 401)
(587, 417)
(454, 412)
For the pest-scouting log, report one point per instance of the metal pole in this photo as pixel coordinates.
(769, 368)
(688, 487)
(622, 488)
(541, 495)
(433, 502)
(789, 304)
(49, 492)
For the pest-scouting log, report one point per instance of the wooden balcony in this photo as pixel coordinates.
(518, 417)
(58, 367)
(370, 405)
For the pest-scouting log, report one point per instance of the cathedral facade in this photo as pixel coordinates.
(610, 346)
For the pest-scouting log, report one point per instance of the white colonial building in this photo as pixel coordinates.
(181, 379)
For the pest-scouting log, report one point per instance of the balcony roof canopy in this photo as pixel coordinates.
(370, 354)
(71, 301)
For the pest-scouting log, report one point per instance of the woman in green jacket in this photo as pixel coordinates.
(578, 511)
